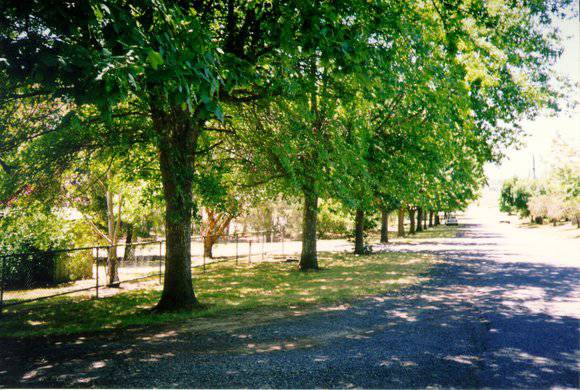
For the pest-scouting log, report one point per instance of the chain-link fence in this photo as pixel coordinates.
(99, 271)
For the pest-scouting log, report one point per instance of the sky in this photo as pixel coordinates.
(541, 131)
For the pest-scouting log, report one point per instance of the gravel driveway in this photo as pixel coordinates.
(488, 318)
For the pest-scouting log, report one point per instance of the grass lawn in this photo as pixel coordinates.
(226, 290)
(441, 231)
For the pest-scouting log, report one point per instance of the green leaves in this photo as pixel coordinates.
(154, 59)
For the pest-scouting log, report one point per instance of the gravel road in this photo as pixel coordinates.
(489, 317)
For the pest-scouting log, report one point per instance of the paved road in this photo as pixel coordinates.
(489, 317)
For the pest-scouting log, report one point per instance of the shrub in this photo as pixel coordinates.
(555, 208)
(573, 210)
(538, 206)
(27, 235)
(506, 198)
(29, 268)
(70, 266)
(333, 220)
(516, 194)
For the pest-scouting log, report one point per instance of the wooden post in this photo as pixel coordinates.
(2, 284)
(203, 240)
(237, 248)
(263, 244)
(160, 261)
(283, 229)
(97, 273)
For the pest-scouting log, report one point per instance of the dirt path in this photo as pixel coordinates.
(491, 317)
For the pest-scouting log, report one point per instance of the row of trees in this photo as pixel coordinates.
(377, 105)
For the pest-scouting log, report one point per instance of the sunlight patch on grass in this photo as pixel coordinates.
(441, 231)
(227, 289)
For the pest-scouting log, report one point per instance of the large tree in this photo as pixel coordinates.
(175, 61)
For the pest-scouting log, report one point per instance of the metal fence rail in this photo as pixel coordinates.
(86, 271)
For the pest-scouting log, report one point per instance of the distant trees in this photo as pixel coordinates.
(515, 195)
(554, 207)
(554, 198)
(573, 211)
(538, 207)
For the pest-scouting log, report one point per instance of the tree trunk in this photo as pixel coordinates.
(112, 267)
(384, 226)
(268, 224)
(310, 164)
(411, 221)
(208, 242)
(419, 227)
(437, 220)
(213, 228)
(177, 140)
(308, 258)
(129, 247)
(424, 220)
(227, 232)
(112, 261)
(359, 228)
(401, 222)
(431, 218)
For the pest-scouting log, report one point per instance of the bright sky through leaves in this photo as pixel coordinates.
(542, 131)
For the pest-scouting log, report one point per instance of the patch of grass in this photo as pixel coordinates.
(225, 289)
(441, 231)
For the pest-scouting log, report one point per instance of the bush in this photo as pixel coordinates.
(516, 194)
(333, 220)
(70, 266)
(33, 229)
(555, 208)
(33, 269)
(27, 236)
(573, 210)
(44, 268)
(506, 198)
(538, 206)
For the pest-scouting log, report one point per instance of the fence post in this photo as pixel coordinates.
(2, 284)
(203, 255)
(160, 260)
(236, 248)
(263, 244)
(97, 273)
(250, 252)
(283, 229)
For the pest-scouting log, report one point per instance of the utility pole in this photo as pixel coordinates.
(534, 166)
